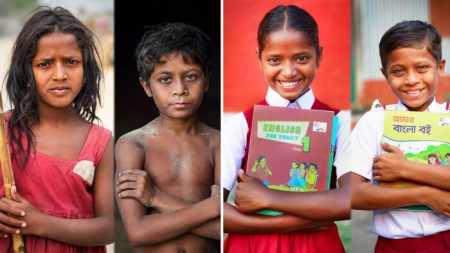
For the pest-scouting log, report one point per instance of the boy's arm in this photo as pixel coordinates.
(394, 166)
(367, 196)
(236, 222)
(143, 229)
(333, 204)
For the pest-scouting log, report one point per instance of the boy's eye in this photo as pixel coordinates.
(165, 79)
(422, 68)
(191, 77)
(396, 71)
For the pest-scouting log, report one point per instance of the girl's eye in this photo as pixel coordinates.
(301, 58)
(191, 77)
(274, 60)
(43, 64)
(72, 62)
(165, 79)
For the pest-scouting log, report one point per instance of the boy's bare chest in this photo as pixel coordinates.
(181, 166)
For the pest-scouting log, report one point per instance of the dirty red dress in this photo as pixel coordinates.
(61, 188)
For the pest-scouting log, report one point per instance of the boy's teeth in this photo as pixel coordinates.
(413, 92)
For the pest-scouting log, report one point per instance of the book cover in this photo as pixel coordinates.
(423, 137)
(291, 149)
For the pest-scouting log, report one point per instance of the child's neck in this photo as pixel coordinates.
(56, 115)
(177, 126)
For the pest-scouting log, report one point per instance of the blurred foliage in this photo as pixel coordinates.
(17, 7)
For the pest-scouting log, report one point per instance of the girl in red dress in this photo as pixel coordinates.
(62, 161)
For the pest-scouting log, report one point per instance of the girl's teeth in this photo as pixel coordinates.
(288, 84)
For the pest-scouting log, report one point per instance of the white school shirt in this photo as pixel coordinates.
(365, 145)
(234, 135)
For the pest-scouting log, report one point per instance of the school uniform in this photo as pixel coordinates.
(234, 156)
(393, 225)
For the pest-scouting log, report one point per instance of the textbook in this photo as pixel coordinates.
(423, 137)
(291, 149)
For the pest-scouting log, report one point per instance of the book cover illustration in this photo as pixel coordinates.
(291, 149)
(423, 137)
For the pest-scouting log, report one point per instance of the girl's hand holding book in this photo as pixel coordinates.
(250, 194)
(389, 167)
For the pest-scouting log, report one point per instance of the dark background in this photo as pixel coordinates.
(133, 108)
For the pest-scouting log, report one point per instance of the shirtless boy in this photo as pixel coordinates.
(169, 170)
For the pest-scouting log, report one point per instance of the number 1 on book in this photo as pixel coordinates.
(306, 141)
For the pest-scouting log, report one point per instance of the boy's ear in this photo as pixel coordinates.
(384, 73)
(205, 89)
(146, 86)
(441, 67)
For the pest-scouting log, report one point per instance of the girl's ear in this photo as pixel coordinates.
(259, 58)
(319, 56)
(146, 86)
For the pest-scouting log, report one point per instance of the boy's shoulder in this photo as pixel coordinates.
(211, 133)
(139, 136)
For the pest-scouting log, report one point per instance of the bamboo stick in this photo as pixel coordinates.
(8, 177)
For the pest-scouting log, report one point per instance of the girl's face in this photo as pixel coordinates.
(412, 74)
(58, 70)
(289, 61)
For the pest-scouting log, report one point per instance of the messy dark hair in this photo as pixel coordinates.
(20, 82)
(160, 40)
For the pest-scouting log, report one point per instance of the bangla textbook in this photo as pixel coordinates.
(423, 137)
(292, 149)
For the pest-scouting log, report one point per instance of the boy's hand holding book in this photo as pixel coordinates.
(389, 167)
(251, 194)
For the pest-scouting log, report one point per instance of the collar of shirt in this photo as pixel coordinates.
(433, 107)
(305, 101)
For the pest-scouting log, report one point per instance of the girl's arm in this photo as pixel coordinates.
(151, 229)
(367, 196)
(82, 232)
(394, 166)
(236, 222)
(333, 204)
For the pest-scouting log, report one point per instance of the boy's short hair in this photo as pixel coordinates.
(414, 33)
(160, 40)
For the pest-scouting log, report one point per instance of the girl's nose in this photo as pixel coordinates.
(59, 72)
(289, 71)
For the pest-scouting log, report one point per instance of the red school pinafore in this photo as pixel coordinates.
(326, 241)
(61, 188)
